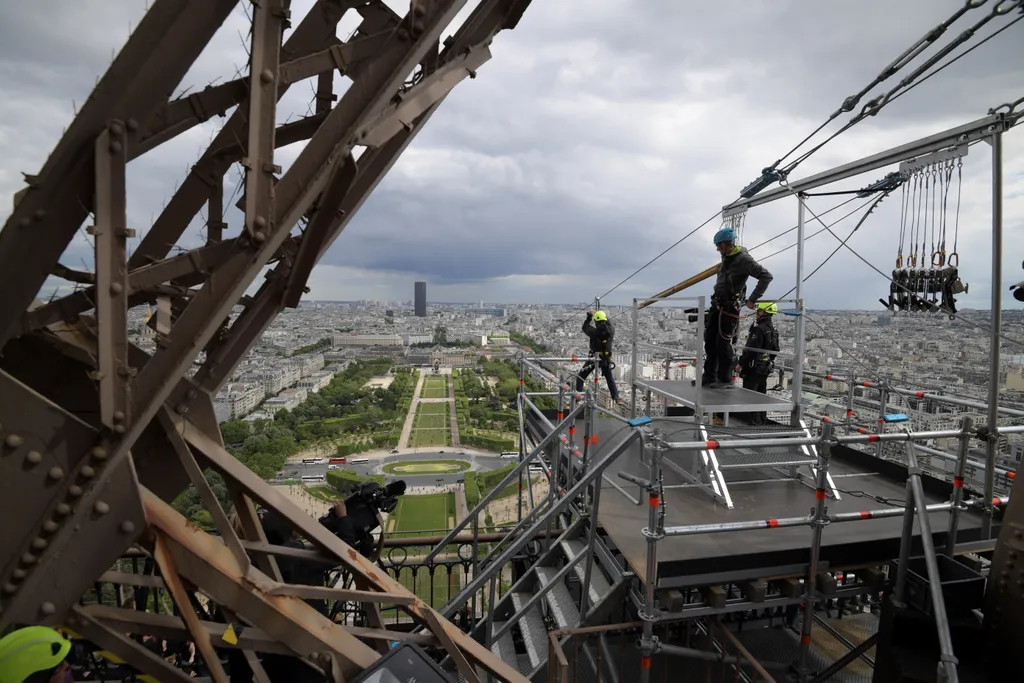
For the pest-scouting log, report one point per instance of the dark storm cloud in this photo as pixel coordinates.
(594, 138)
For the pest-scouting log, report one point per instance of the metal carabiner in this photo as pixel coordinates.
(899, 261)
(912, 261)
(952, 256)
(938, 259)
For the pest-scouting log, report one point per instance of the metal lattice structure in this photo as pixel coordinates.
(99, 436)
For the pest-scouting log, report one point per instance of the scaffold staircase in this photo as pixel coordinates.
(798, 462)
(549, 595)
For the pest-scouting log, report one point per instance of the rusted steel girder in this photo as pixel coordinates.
(99, 435)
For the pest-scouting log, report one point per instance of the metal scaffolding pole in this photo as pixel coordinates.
(947, 661)
(992, 445)
(958, 485)
(635, 317)
(800, 328)
(817, 525)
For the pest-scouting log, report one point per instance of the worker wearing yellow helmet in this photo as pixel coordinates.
(34, 654)
(758, 362)
(601, 333)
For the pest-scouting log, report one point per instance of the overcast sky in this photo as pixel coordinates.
(599, 134)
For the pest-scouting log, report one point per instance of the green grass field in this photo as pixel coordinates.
(435, 387)
(426, 515)
(432, 426)
(427, 467)
(430, 512)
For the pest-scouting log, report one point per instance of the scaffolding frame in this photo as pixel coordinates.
(989, 129)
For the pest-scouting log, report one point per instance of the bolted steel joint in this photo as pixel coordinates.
(101, 508)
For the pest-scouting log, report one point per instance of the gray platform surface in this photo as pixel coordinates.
(733, 400)
(682, 560)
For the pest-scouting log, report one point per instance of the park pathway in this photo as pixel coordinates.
(451, 409)
(410, 418)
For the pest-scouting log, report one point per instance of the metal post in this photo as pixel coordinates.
(849, 408)
(632, 369)
(882, 398)
(589, 567)
(817, 525)
(701, 321)
(947, 661)
(992, 445)
(958, 485)
(522, 440)
(906, 540)
(653, 532)
(800, 328)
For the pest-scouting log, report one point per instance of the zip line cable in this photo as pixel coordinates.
(871, 108)
(875, 105)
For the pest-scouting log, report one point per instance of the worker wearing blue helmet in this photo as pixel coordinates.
(729, 296)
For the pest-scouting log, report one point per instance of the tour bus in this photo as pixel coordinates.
(338, 461)
(360, 461)
(311, 461)
(510, 454)
(313, 477)
(536, 468)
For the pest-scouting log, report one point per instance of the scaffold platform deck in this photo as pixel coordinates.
(760, 494)
(735, 399)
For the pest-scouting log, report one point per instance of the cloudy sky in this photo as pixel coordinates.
(599, 134)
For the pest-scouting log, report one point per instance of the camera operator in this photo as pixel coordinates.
(338, 522)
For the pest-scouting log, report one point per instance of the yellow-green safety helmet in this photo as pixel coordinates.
(600, 315)
(768, 307)
(30, 650)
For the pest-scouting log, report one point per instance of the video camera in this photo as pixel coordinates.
(362, 507)
(692, 314)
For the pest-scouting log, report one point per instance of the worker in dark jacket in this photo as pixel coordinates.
(757, 363)
(729, 295)
(601, 333)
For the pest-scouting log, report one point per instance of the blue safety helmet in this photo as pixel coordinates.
(725, 235)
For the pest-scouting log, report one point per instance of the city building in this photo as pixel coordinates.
(420, 291)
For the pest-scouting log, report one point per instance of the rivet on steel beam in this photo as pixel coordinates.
(402, 34)
(49, 526)
(10, 589)
(34, 457)
(266, 76)
(24, 222)
(101, 508)
(13, 440)
(39, 544)
(63, 509)
(132, 125)
(119, 414)
(115, 147)
(28, 559)
(181, 409)
(259, 223)
(127, 527)
(115, 288)
(56, 473)
(74, 491)
(190, 394)
(47, 608)
(119, 429)
(99, 452)
(418, 9)
(39, 215)
(88, 472)
(116, 128)
(19, 574)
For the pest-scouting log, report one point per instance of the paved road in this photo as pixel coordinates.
(479, 463)
(403, 440)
